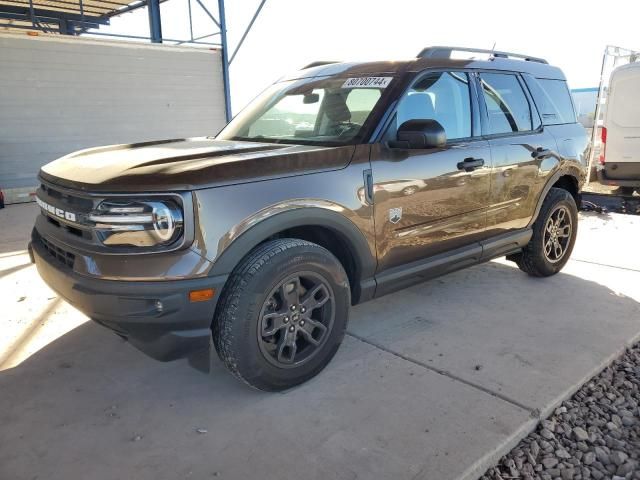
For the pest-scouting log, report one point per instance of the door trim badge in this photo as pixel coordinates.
(395, 215)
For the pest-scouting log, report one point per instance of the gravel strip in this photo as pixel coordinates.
(594, 435)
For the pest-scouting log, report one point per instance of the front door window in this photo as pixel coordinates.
(440, 96)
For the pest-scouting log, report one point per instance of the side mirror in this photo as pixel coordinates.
(420, 133)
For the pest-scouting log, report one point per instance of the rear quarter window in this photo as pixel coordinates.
(553, 100)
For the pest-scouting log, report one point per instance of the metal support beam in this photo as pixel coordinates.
(206, 10)
(246, 32)
(594, 130)
(155, 24)
(190, 20)
(225, 60)
(195, 39)
(66, 27)
(164, 39)
(34, 20)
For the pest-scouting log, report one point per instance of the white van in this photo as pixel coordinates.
(620, 152)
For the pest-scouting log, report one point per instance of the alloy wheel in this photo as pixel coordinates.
(296, 319)
(557, 234)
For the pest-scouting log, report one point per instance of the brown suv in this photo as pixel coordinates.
(339, 184)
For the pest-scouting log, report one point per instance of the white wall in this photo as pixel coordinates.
(61, 94)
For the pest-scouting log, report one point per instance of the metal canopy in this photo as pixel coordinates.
(69, 17)
(93, 8)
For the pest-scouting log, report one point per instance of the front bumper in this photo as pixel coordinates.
(156, 317)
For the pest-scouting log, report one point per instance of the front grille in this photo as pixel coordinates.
(67, 258)
(73, 201)
(66, 211)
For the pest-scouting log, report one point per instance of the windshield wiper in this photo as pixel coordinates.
(257, 138)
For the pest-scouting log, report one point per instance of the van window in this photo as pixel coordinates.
(507, 105)
(440, 96)
(553, 100)
(624, 108)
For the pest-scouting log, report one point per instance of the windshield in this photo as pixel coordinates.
(328, 111)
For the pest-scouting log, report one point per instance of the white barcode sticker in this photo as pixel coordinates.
(367, 82)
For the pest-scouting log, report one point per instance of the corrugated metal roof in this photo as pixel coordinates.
(92, 8)
(46, 14)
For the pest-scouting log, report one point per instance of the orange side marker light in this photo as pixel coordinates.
(201, 295)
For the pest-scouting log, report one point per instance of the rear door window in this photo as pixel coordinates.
(507, 105)
(553, 100)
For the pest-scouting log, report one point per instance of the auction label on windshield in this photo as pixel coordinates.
(367, 82)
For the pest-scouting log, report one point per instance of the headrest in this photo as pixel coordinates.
(416, 105)
(336, 108)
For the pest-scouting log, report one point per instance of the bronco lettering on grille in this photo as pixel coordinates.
(58, 212)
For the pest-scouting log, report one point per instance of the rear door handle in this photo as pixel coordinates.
(470, 164)
(541, 153)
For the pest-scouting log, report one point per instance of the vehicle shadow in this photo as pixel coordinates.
(89, 405)
(526, 338)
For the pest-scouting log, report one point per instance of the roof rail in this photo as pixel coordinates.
(319, 63)
(445, 52)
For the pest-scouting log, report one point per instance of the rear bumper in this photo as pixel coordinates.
(156, 317)
(620, 174)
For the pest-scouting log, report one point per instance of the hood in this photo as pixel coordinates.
(188, 164)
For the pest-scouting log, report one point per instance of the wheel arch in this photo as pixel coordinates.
(566, 179)
(322, 226)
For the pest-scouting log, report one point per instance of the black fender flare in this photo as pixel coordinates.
(345, 229)
(572, 171)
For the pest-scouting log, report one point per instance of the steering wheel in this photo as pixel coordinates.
(348, 129)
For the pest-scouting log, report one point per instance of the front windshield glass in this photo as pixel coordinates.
(328, 111)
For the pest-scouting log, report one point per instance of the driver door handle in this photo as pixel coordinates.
(470, 164)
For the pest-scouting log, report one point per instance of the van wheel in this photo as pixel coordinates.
(554, 235)
(283, 314)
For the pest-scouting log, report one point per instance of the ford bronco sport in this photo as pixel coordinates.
(339, 184)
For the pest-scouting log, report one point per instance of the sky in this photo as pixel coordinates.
(288, 34)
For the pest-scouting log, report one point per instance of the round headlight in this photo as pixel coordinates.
(137, 223)
(163, 223)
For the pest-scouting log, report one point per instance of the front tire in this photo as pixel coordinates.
(554, 235)
(283, 314)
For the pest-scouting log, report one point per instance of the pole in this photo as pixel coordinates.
(190, 20)
(225, 60)
(594, 131)
(155, 25)
(248, 29)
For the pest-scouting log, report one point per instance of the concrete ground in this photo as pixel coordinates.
(434, 382)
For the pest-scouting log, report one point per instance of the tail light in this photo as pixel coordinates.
(603, 148)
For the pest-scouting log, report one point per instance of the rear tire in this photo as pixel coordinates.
(554, 235)
(283, 314)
